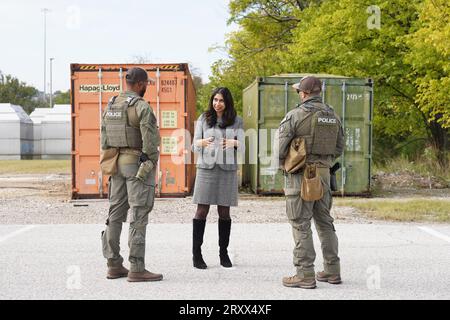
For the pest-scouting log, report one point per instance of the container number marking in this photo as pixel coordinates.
(169, 145)
(169, 119)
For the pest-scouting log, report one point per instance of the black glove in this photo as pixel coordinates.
(143, 158)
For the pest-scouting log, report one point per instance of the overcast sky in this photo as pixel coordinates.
(108, 31)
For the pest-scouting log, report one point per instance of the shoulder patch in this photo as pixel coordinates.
(285, 124)
(286, 118)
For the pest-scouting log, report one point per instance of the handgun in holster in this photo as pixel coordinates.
(333, 181)
(145, 166)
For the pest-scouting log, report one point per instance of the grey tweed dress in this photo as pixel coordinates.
(215, 185)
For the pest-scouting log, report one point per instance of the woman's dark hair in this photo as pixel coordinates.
(229, 114)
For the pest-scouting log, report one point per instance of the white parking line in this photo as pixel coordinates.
(15, 233)
(435, 233)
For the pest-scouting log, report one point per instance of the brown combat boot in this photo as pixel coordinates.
(116, 272)
(296, 281)
(330, 278)
(144, 276)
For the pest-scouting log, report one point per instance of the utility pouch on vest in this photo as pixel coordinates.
(311, 189)
(108, 161)
(296, 157)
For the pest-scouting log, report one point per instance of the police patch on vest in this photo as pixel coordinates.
(326, 120)
(113, 115)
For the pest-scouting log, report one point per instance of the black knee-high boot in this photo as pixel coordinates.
(198, 227)
(224, 240)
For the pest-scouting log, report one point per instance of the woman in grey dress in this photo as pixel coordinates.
(218, 141)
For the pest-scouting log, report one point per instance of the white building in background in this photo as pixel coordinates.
(37, 116)
(16, 133)
(56, 137)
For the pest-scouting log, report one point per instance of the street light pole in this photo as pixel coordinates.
(51, 82)
(45, 11)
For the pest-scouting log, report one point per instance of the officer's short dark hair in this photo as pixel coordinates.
(135, 75)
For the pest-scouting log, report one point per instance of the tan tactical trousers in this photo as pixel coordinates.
(127, 192)
(299, 213)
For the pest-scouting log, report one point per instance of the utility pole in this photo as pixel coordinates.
(51, 82)
(45, 11)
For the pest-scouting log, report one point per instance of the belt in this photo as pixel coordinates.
(324, 170)
(130, 151)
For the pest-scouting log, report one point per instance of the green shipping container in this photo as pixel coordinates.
(267, 100)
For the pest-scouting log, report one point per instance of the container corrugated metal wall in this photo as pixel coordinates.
(267, 100)
(172, 98)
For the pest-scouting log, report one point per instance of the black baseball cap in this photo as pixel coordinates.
(136, 74)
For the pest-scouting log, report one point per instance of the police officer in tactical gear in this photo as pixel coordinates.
(129, 124)
(321, 128)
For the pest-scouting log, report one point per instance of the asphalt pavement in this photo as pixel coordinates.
(378, 261)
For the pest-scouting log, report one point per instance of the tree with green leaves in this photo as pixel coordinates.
(339, 37)
(429, 58)
(17, 92)
(255, 49)
(60, 97)
(409, 68)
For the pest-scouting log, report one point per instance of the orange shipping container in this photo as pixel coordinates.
(171, 95)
